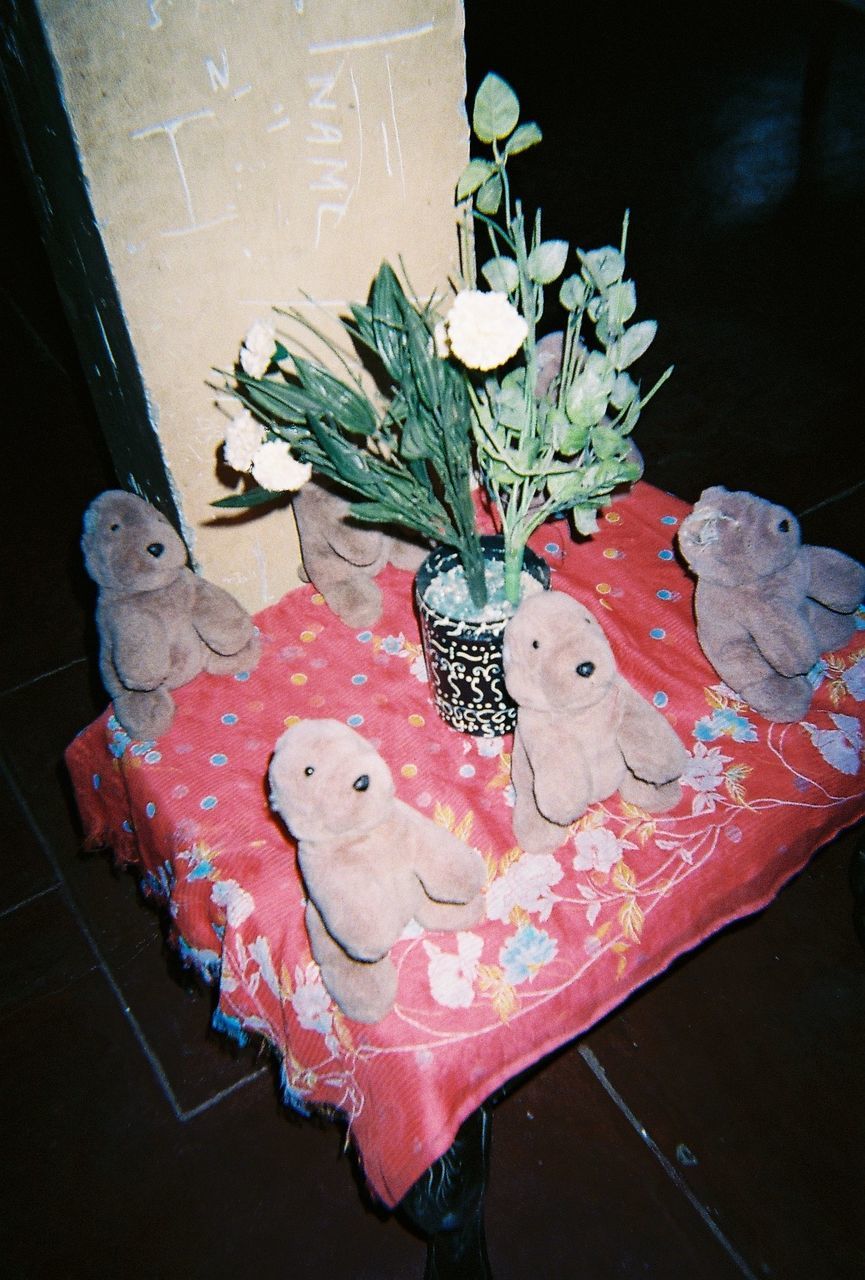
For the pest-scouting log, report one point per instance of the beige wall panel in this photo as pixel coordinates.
(240, 155)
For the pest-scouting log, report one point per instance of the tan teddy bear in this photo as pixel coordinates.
(342, 557)
(766, 606)
(582, 732)
(159, 623)
(370, 863)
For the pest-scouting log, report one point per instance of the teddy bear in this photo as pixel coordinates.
(582, 731)
(159, 624)
(370, 863)
(766, 606)
(342, 557)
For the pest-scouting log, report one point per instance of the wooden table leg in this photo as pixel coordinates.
(447, 1205)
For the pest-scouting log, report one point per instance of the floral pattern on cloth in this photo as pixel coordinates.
(567, 936)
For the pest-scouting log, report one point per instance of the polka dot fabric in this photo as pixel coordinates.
(567, 936)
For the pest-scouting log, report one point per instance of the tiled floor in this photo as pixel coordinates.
(715, 1126)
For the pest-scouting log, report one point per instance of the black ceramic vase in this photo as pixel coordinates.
(464, 658)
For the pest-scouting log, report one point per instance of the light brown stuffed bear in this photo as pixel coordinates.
(342, 557)
(370, 863)
(159, 623)
(766, 606)
(582, 732)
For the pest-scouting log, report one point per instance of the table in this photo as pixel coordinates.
(568, 936)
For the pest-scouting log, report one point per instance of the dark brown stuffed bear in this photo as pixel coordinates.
(766, 606)
(341, 556)
(159, 623)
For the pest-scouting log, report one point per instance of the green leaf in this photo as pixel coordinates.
(546, 261)
(605, 266)
(624, 391)
(489, 197)
(621, 303)
(565, 486)
(572, 294)
(574, 439)
(527, 135)
(501, 274)
(474, 175)
(585, 520)
(496, 110)
(606, 442)
(251, 498)
(633, 343)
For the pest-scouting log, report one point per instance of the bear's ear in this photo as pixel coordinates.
(713, 493)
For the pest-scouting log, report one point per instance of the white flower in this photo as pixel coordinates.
(258, 349)
(484, 329)
(598, 850)
(243, 438)
(310, 1001)
(275, 467)
(238, 904)
(705, 770)
(526, 883)
(451, 977)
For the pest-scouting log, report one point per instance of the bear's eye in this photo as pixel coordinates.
(784, 525)
(361, 783)
(309, 771)
(536, 644)
(585, 669)
(114, 527)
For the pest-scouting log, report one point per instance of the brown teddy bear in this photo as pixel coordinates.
(342, 557)
(582, 732)
(370, 863)
(766, 606)
(159, 623)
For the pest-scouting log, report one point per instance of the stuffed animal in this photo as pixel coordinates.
(766, 606)
(159, 624)
(342, 557)
(370, 863)
(582, 732)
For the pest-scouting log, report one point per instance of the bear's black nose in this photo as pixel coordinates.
(585, 669)
(361, 783)
(156, 549)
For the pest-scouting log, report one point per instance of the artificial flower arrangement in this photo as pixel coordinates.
(464, 392)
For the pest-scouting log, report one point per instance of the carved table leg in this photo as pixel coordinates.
(447, 1205)
(857, 884)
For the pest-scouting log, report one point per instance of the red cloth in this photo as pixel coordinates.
(568, 937)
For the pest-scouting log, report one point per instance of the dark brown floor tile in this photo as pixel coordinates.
(36, 723)
(575, 1192)
(24, 867)
(108, 1182)
(746, 1059)
(42, 952)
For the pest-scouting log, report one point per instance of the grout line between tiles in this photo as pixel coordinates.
(835, 497)
(43, 675)
(25, 902)
(594, 1065)
(193, 1112)
(143, 1043)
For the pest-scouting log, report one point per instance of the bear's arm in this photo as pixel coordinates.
(139, 647)
(650, 747)
(834, 579)
(222, 623)
(786, 640)
(358, 911)
(447, 868)
(560, 783)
